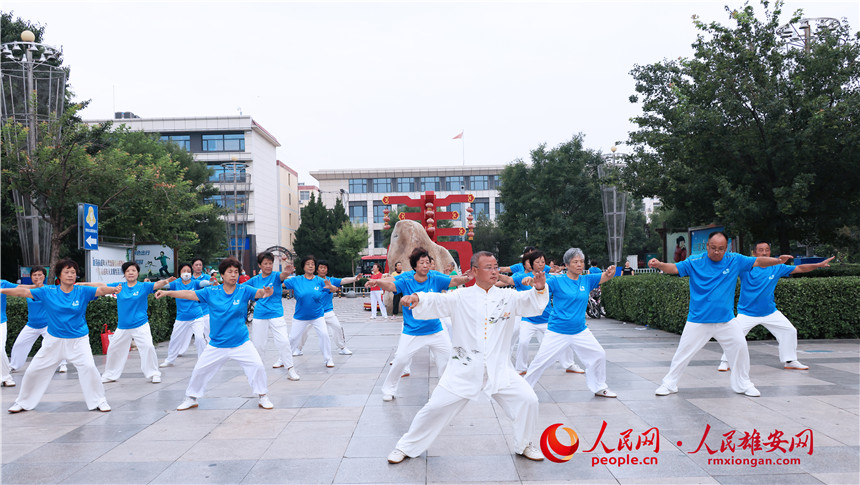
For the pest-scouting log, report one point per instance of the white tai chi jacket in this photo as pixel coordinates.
(482, 326)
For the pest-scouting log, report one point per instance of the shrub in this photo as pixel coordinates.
(835, 269)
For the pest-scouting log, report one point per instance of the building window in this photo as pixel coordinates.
(454, 184)
(405, 185)
(429, 183)
(378, 213)
(499, 208)
(382, 185)
(304, 195)
(184, 141)
(481, 205)
(479, 182)
(378, 240)
(357, 186)
(358, 213)
(228, 172)
(224, 142)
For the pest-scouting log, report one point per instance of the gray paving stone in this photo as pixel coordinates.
(210, 471)
(306, 470)
(117, 472)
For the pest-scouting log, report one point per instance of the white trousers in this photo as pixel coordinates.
(24, 343)
(518, 400)
(440, 347)
(211, 360)
(205, 331)
(536, 330)
(120, 344)
(260, 335)
(41, 369)
(5, 370)
(334, 327)
(584, 344)
(376, 300)
(731, 339)
(298, 329)
(180, 338)
(775, 323)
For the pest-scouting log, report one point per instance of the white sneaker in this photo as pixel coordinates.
(795, 365)
(664, 391)
(396, 456)
(292, 375)
(387, 397)
(575, 369)
(724, 366)
(8, 382)
(265, 403)
(406, 372)
(104, 407)
(165, 364)
(278, 364)
(298, 352)
(605, 393)
(63, 369)
(105, 380)
(329, 363)
(344, 351)
(156, 379)
(188, 403)
(752, 392)
(16, 408)
(532, 453)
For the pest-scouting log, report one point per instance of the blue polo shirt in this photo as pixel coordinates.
(328, 297)
(66, 311)
(131, 303)
(518, 284)
(436, 282)
(712, 285)
(569, 299)
(271, 306)
(309, 296)
(519, 268)
(4, 284)
(227, 327)
(186, 310)
(757, 287)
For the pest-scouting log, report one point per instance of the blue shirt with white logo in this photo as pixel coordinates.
(270, 306)
(227, 327)
(712, 285)
(328, 297)
(131, 303)
(436, 282)
(518, 284)
(4, 284)
(569, 299)
(757, 287)
(309, 296)
(186, 310)
(66, 311)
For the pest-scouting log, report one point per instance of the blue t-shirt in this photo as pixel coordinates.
(436, 282)
(712, 285)
(594, 270)
(519, 268)
(66, 311)
(186, 310)
(518, 284)
(4, 284)
(36, 317)
(271, 306)
(204, 308)
(131, 303)
(569, 299)
(227, 327)
(757, 287)
(309, 296)
(328, 297)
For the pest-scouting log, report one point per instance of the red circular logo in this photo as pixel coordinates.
(553, 449)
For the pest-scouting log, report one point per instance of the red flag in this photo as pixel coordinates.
(458, 136)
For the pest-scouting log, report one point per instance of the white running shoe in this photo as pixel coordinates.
(188, 403)
(575, 369)
(344, 351)
(605, 393)
(387, 397)
(752, 392)
(396, 456)
(166, 364)
(329, 363)
(532, 453)
(104, 407)
(265, 403)
(664, 391)
(105, 380)
(298, 352)
(292, 375)
(16, 408)
(795, 365)
(8, 382)
(156, 379)
(724, 366)
(63, 369)
(278, 364)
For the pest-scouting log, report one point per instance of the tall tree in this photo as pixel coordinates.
(349, 241)
(752, 132)
(314, 235)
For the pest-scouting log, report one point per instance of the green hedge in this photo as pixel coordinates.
(835, 269)
(162, 314)
(820, 308)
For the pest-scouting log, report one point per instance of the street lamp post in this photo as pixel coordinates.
(614, 208)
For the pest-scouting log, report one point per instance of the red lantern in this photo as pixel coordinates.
(430, 221)
(386, 226)
(386, 211)
(469, 210)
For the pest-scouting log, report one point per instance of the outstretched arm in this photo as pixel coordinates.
(386, 284)
(608, 274)
(461, 280)
(806, 268)
(17, 291)
(162, 283)
(107, 290)
(90, 283)
(348, 281)
(180, 294)
(668, 268)
(264, 292)
(764, 262)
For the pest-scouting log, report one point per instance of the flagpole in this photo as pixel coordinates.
(463, 145)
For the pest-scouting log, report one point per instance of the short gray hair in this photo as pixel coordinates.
(572, 253)
(475, 257)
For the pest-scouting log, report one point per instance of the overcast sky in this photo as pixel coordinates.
(382, 84)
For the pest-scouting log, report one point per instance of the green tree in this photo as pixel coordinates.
(314, 235)
(349, 241)
(753, 133)
(489, 236)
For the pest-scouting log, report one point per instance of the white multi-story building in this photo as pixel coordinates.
(361, 192)
(305, 192)
(290, 215)
(242, 156)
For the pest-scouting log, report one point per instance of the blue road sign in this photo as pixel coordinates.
(91, 227)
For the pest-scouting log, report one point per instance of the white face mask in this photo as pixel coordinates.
(185, 276)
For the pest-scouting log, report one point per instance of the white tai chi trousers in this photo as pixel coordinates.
(180, 338)
(213, 358)
(260, 335)
(24, 343)
(536, 330)
(518, 400)
(334, 327)
(41, 369)
(731, 339)
(440, 348)
(584, 344)
(298, 329)
(5, 370)
(376, 300)
(120, 344)
(775, 323)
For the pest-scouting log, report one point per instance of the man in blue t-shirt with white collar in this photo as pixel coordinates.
(756, 306)
(713, 278)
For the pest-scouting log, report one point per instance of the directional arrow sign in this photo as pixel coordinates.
(88, 219)
(91, 242)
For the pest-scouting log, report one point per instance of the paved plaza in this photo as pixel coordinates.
(333, 427)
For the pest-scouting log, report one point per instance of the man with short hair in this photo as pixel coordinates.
(756, 306)
(713, 277)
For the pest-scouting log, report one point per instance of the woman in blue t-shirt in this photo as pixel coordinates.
(566, 327)
(189, 318)
(37, 325)
(228, 306)
(68, 338)
(308, 290)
